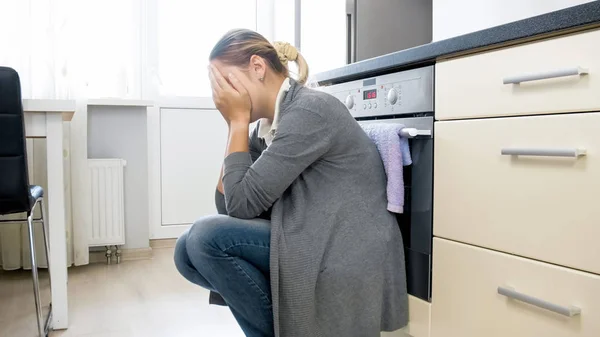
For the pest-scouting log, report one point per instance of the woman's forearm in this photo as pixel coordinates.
(237, 141)
(220, 183)
(238, 137)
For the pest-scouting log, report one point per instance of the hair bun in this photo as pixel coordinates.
(286, 52)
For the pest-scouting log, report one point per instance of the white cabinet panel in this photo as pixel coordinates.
(192, 148)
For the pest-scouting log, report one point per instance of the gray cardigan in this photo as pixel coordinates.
(337, 258)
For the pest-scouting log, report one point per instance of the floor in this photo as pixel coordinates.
(135, 298)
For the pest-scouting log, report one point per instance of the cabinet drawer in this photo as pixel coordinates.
(473, 86)
(542, 207)
(466, 299)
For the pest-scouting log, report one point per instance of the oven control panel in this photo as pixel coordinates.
(405, 92)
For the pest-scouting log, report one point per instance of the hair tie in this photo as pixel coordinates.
(286, 52)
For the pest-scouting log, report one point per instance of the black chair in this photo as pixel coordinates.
(16, 195)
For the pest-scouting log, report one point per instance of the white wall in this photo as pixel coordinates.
(121, 132)
(457, 17)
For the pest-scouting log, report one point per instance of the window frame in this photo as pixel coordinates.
(265, 21)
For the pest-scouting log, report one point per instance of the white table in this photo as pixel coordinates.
(44, 119)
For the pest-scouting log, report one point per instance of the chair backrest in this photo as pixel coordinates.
(14, 178)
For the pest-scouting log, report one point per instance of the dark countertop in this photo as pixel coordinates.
(553, 22)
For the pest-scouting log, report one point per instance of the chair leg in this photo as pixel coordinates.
(46, 230)
(36, 280)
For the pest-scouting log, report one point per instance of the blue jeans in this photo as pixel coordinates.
(231, 257)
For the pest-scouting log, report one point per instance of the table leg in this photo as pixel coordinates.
(57, 219)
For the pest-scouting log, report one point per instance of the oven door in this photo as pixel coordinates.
(416, 223)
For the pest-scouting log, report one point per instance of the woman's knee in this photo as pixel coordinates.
(184, 264)
(203, 236)
(180, 255)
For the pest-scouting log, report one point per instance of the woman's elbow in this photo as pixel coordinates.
(240, 205)
(240, 210)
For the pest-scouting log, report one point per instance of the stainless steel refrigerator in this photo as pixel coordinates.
(378, 27)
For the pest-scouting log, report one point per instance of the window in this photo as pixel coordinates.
(284, 20)
(323, 25)
(73, 48)
(101, 56)
(187, 30)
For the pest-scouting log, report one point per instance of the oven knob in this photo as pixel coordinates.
(349, 102)
(392, 96)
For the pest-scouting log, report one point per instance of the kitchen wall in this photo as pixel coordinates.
(457, 17)
(121, 132)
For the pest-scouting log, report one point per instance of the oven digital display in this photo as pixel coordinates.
(370, 94)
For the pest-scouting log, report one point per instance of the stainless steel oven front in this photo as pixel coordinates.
(405, 98)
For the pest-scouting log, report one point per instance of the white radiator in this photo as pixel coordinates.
(108, 202)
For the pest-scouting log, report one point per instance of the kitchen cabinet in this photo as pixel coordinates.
(515, 179)
(542, 207)
(558, 75)
(466, 282)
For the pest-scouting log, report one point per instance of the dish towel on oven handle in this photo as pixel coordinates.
(395, 154)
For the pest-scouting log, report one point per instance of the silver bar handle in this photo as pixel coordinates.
(575, 71)
(570, 153)
(412, 132)
(569, 311)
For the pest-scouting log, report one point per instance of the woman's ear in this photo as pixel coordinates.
(258, 67)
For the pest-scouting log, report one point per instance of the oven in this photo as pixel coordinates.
(405, 98)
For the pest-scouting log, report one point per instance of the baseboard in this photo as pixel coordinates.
(398, 333)
(131, 254)
(162, 243)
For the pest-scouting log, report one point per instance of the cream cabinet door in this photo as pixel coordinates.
(473, 86)
(466, 301)
(543, 207)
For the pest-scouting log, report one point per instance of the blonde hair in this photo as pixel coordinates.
(237, 46)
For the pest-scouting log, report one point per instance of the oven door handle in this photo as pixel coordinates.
(413, 132)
